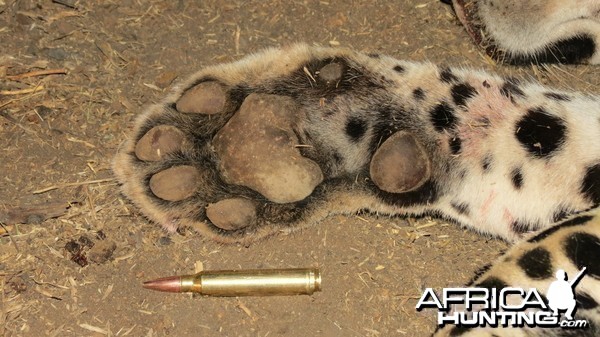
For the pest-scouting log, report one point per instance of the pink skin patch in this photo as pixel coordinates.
(487, 203)
(486, 113)
(507, 216)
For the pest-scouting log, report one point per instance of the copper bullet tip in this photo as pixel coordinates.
(171, 284)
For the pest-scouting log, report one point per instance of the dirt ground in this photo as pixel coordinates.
(79, 273)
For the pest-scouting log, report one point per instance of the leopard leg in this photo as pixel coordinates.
(287, 137)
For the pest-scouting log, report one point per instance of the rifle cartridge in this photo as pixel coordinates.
(253, 282)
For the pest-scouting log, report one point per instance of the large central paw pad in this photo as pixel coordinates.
(258, 149)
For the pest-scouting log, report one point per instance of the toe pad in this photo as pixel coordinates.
(160, 141)
(205, 98)
(232, 214)
(176, 183)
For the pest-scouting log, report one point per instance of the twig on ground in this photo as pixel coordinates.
(45, 72)
(54, 187)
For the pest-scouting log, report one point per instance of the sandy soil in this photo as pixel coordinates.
(79, 273)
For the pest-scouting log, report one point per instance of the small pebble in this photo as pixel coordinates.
(164, 241)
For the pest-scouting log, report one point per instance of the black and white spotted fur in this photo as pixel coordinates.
(502, 152)
(532, 263)
(507, 157)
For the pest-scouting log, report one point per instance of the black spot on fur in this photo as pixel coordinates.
(577, 221)
(458, 331)
(556, 96)
(575, 49)
(338, 159)
(461, 93)
(540, 133)
(511, 89)
(399, 69)
(442, 117)
(373, 55)
(447, 76)
(461, 207)
(536, 263)
(590, 185)
(560, 215)
(455, 145)
(486, 84)
(418, 94)
(585, 301)
(486, 163)
(479, 272)
(520, 227)
(356, 128)
(516, 176)
(583, 250)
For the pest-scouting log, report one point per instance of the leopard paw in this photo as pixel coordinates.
(249, 149)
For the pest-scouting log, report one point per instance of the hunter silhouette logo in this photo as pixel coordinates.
(561, 293)
(508, 306)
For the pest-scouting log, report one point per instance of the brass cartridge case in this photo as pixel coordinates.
(254, 282)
